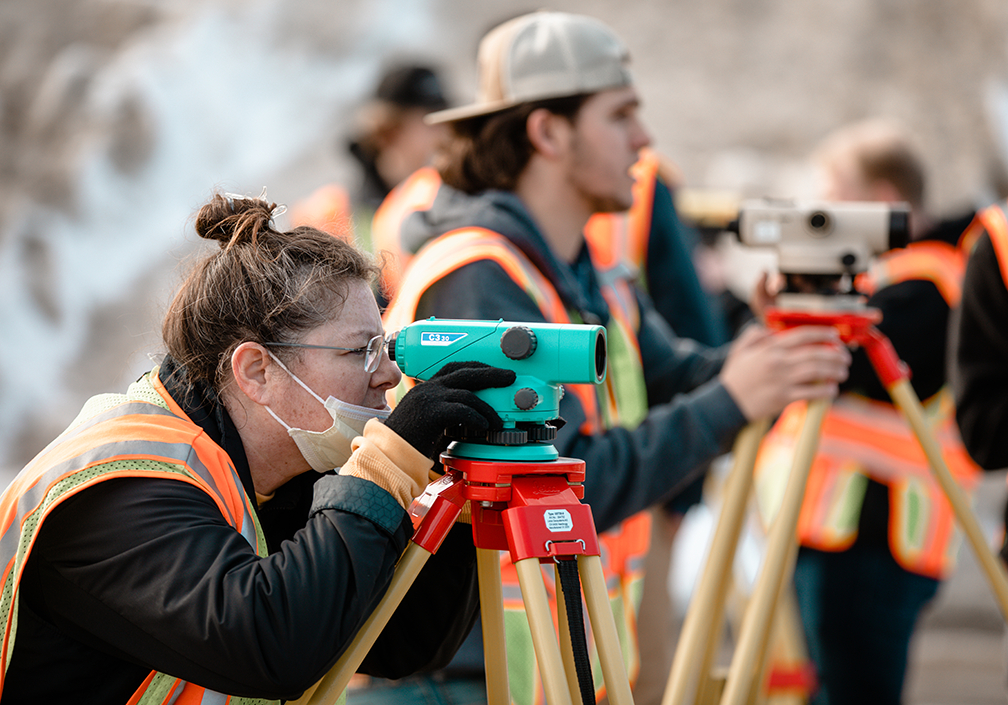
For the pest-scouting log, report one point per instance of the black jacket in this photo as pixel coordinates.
(980, 369)
(136, 574)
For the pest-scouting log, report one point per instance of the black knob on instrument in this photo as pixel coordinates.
(518, 342)
(526, 399)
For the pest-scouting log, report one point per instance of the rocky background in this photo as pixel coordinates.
(118, 118)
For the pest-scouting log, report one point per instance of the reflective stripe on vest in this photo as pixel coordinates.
(862, 439)
(994, 220)
(940, 263)
(624, 547)
(135, 437)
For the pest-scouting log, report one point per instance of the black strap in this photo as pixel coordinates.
(570, 582)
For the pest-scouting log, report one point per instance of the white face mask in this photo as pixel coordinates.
(330, 449)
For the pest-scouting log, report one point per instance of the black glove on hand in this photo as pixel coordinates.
(446, 401)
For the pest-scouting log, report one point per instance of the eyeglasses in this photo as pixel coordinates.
(372, 351)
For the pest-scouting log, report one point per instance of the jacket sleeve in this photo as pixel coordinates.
(979, 370)
(626, 470)
(147, 570)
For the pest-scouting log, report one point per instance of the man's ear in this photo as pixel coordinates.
(252, 368)
(548, 132)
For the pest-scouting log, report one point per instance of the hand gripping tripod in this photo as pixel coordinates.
(704, 617)
(533, 510)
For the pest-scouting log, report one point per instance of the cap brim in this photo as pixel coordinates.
(468, 111)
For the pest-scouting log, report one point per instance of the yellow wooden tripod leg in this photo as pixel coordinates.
(332, 685)
(778, 634)
(695, 649)
(906, 400)
(604, 628)
(787, 646)
(492, 616)
(544, 639)
(780, 542)
(566, 645)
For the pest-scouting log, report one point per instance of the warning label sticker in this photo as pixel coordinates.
(558, 520)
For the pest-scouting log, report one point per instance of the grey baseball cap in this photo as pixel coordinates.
(539, 56)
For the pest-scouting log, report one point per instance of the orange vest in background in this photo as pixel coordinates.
(327, 209)
(416, 193)
(862, 438)
(994, 221)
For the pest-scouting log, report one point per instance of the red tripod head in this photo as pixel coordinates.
(856, 327)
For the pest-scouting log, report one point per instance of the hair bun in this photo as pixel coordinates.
(232, 219)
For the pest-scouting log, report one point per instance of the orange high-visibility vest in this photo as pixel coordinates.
(327, 209)
(863, 438)
(143, 433)
(623, 548)
(994, 221)
(416, 193)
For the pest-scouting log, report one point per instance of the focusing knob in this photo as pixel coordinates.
(518, 342)
(507, 437)
(526, 398)
(542, 433)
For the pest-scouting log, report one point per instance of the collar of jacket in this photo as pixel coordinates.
(203, 407)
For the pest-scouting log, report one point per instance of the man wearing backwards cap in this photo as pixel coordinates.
(548, 142)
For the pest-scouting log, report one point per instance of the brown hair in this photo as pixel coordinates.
(491, 152)
(263, 285)
(882, 151)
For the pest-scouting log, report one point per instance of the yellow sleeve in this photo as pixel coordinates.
(385, 459)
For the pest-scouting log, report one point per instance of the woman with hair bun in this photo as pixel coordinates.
(225, 526)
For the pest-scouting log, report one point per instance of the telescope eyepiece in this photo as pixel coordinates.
(392, 344)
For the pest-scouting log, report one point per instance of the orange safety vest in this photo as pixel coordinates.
(623, 402)
(327, 209)
(416, 193)
(141, 434)
(863, 438)
(994, 221)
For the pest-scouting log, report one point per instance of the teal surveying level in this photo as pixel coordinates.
(524, 498)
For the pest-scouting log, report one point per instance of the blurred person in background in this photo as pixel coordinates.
(226, 525)
(980, 343)
(876, 531)
(551, 140)
(388, 142)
